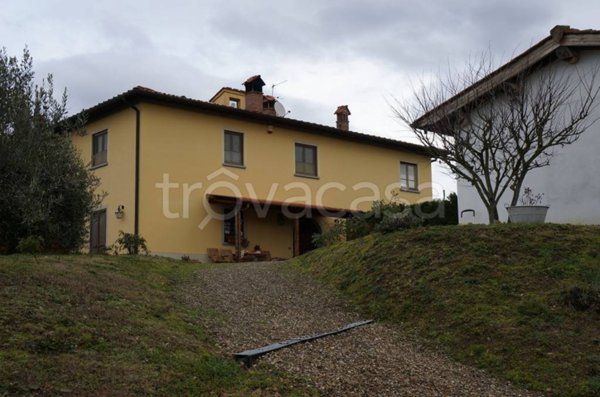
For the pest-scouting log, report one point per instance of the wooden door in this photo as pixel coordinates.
(98, 232)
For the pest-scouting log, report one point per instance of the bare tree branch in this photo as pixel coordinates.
(508, 130)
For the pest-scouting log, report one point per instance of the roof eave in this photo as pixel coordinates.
(139, 95)
(527, 59)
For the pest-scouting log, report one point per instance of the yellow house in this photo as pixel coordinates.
(190, 175)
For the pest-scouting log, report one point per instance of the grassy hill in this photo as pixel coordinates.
(99, 325)
(522, 302)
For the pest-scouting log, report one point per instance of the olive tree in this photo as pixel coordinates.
(45, 189)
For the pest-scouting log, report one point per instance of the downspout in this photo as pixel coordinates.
(136, 194)
(136, 197)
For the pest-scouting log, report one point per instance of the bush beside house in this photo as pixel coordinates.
(389, 216)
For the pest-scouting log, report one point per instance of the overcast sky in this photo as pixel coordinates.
(329, 53)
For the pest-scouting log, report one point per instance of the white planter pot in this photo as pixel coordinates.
(527, 213)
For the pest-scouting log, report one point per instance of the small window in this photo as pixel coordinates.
(229, 226)
(234, 103)
(234, 148)
(99, 148)
(306, 160)
(408, 176)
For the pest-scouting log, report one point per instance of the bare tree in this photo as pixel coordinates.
(503, 131)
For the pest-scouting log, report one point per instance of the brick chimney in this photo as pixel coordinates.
(254, 93)
(342, 114)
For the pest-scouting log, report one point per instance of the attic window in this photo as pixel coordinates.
(234, 103)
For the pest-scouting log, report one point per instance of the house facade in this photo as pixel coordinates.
(569, 184)
(189, 175)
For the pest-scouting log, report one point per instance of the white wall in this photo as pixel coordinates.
(571, 183)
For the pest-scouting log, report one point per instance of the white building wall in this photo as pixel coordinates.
(571, 183)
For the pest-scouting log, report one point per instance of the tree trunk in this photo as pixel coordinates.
(516, 192)
(492, 210)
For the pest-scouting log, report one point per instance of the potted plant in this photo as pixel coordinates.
(530, 210)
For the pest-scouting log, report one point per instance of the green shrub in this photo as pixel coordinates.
(31, 245)
(130, 242)
(359, 226)
(390, 216)
(332, 235)
(398, 221)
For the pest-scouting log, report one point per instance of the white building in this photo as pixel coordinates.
(571, 183)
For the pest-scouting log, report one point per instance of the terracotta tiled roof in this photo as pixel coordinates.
(223, 89)
(233, 89)
(146, 95)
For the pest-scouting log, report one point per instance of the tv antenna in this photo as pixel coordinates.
(275, 85)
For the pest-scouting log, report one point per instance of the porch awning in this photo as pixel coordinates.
(323, 210)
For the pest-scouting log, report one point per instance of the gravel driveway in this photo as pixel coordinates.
(250, 305)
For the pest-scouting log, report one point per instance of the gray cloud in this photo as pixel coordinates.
(425, 34)
(133, 59)
(410, 35)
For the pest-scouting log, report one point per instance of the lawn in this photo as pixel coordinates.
(101, 325)
(522, 302)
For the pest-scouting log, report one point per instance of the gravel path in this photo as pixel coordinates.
(249, 305)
